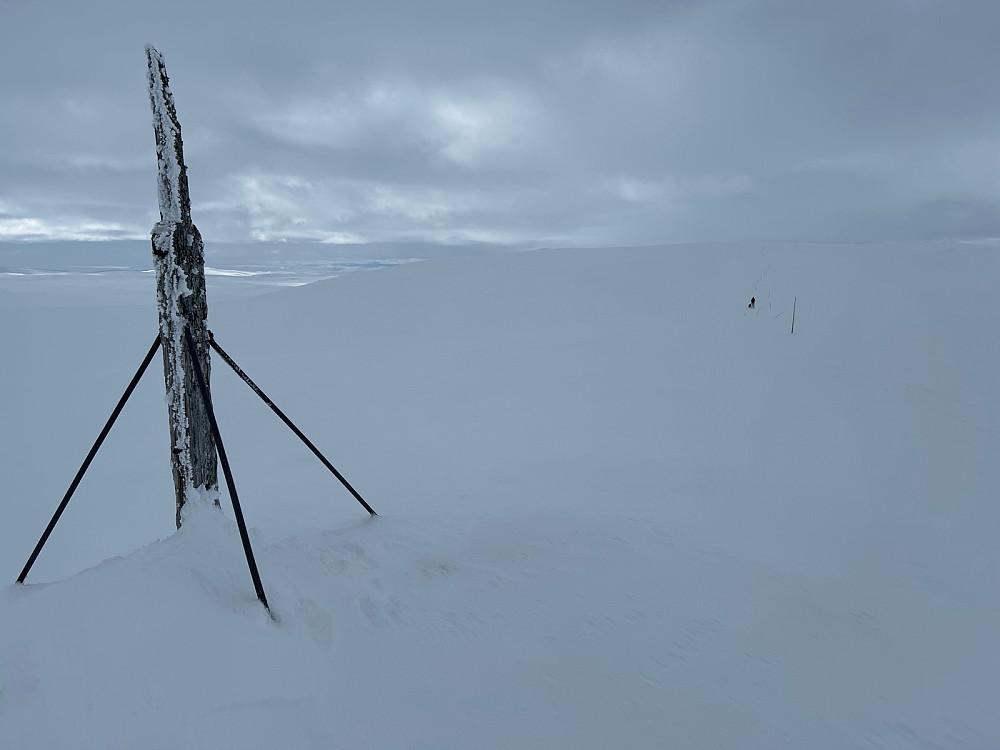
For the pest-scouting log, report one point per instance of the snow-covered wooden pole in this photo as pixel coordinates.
(179, 257)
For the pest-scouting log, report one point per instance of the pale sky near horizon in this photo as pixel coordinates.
(522, 123)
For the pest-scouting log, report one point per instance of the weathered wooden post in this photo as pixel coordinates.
(179, 257)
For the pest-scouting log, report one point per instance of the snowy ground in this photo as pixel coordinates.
(617, 508)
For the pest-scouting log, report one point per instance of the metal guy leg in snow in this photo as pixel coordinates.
(90, 457)
(281, 415)
(210, 412)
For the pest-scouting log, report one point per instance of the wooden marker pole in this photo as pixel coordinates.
(179, 257)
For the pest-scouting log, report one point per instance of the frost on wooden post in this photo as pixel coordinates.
(179, 257)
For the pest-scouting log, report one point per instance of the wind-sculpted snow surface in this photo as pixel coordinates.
(617, 508)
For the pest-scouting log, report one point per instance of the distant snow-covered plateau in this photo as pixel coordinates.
(618, 508)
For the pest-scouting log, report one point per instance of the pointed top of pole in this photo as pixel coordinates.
(172, 184)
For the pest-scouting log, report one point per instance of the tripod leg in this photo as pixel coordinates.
(240, 523)
(287, 421)
(90, 457)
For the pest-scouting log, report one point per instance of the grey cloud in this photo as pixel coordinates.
(522, 122)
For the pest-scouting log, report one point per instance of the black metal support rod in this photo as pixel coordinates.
(90, 457)
(240, 523)
(287, 421)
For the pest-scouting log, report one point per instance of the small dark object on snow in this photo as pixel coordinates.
(753, 301)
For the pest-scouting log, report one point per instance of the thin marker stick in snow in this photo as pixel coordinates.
(287, 421)
(794, 302)
(90, 457)
(240, 523)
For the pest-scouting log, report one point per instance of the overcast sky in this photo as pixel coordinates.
(522, 122)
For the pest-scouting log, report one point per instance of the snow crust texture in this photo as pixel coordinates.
(618, 509)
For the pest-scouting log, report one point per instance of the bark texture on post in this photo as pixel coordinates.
(179, 257)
